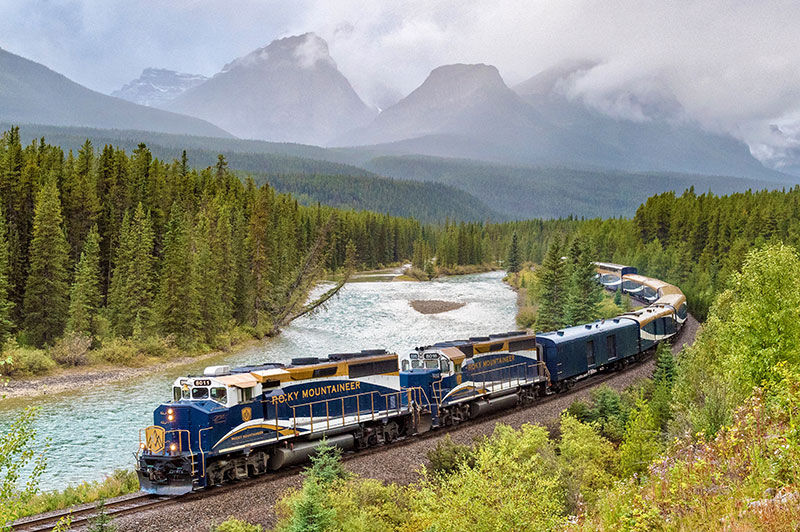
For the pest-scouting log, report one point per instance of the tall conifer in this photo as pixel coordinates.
(47, 288)
(583, 292)
(85, 299)
(177, 303)
(513, 264)
(551, 287)
(6, 305)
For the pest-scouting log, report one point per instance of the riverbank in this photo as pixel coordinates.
(128, 359)
(68, 379)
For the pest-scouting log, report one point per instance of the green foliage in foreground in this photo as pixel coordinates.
(22, 462)
(120, 482)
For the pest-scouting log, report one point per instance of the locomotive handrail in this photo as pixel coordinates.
(200, 446)
(163, 452)
(373, 414)
(437, 385)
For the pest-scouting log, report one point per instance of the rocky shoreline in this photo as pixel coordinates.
(71, 379)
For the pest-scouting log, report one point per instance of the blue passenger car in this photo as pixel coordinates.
(573, 351)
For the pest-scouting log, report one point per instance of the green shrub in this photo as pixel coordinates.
(120, 482)
(448, 456)
(236, 525)
(26, 361)
(72, 349)
(589, 462)
(526, 317)
(116, 351)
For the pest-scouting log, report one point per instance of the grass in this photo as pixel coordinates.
(120, 482)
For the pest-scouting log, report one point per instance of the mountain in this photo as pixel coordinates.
(453, 99)
(32, 93)
(467, 111)
(157, 86)
(288, 91)
(660, 139)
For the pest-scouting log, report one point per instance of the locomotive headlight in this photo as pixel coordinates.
(170, 417)
(170, 411)
(141, 446)
(173, 447)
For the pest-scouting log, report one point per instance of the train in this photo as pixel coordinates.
(233, 423)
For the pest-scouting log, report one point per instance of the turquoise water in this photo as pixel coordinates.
(95, 430)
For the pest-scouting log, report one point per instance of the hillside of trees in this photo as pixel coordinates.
(310, 173)
(119, 250)
(521, 193)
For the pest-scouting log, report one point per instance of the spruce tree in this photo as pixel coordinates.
(551, 289)
(205, 272)
(583, 292)
(513, 264)
(6, 305)
(47, 288)
(85, 297)
(178, 300)
(131, 295)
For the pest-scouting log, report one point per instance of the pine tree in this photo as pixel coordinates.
(583, 292)
(207, 278)
(131, 294)
(47, 288)
(85, 297)
(513, 264)
(178, 300)
(551, 288)
(618, 297)
(6, 305)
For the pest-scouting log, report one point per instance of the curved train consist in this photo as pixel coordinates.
(231, 423)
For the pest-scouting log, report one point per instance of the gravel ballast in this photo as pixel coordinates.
(256, 502)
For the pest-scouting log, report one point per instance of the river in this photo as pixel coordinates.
(94, 431)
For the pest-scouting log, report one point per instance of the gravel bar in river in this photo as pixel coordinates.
(256, 503)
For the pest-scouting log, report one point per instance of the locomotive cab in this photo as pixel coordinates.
(428, 360)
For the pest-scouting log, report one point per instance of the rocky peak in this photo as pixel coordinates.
(305, 51)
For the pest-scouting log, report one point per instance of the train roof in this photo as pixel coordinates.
(477, 340)
(674, 300)
(578, 332)
(610, 266)
(648, 314)
(662, 287)
(299, 369)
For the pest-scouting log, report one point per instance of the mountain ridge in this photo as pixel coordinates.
(33, 93)
(290, 90)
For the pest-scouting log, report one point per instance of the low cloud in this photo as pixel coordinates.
(731, 66)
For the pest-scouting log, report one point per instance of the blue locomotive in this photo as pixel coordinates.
(232, 423)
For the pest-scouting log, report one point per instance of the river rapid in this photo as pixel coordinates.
(94, 431)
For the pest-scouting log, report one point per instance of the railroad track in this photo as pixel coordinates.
(140, 501)
(82, 515)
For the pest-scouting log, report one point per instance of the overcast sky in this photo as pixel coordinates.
(733, 66)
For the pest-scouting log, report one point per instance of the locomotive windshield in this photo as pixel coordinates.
(200, 393)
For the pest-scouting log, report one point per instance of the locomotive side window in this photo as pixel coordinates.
(220, 395)
(245, 395)
(611, 346)
(590, 353)
(405, 365)
(444, 366)
(176, 393)
(199, 393)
